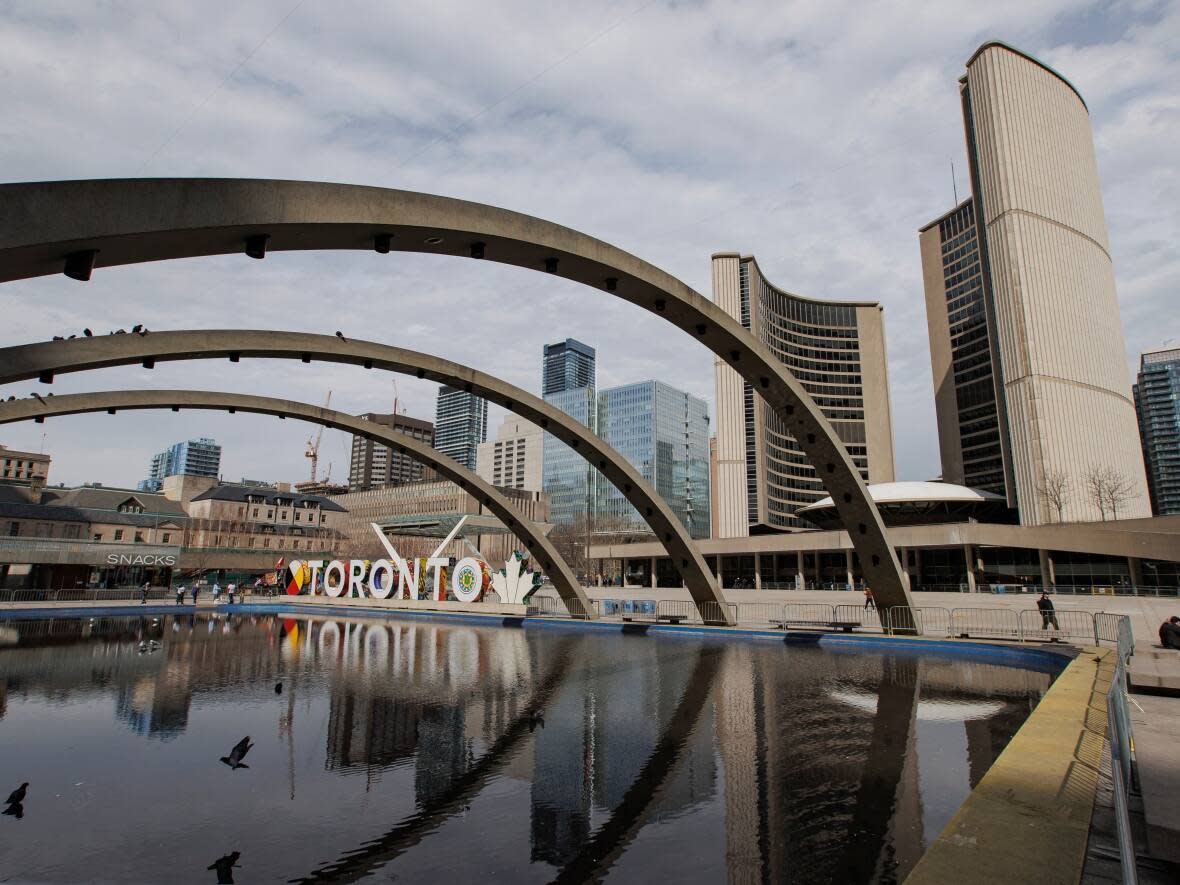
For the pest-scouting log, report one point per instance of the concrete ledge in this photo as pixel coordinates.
(1028, 820)
(407, 605)
(1157, 758)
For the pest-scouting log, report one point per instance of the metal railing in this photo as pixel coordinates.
(82, 594)
(1122, 741)
(1057, 625)
(991, 623)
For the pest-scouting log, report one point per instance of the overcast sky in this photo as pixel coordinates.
(818, 136)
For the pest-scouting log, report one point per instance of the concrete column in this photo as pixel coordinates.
(652, 580)
(800, 578)
(758, 570)
(1048, 574)
(848, 566)
(969, 556)
(1135, 567)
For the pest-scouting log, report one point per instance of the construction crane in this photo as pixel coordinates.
(313, 444)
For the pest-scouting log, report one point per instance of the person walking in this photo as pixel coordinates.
(216, 592)
(143, 592)
(230, 589)
(180, 595)
(196, 590)
(870, 602)
(1048, 612)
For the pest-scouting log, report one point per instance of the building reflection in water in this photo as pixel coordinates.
(806, 765)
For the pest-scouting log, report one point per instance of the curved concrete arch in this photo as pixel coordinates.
(75, 226)
(46, 359)
(544, 553)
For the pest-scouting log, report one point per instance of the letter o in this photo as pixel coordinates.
(341, 579)
(382, 589)
(467, 579)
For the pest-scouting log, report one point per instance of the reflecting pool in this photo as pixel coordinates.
(415, 751)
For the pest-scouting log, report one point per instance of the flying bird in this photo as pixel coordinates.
(278, 688)
(238, 753)
(536, 719)
(224, 866)
(18, 795)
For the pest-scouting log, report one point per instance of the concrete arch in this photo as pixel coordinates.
(544, 553)
(44, 360)
(76, 226)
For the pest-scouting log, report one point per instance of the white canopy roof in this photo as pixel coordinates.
(907, 492)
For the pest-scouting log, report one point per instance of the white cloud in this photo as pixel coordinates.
(816, 135)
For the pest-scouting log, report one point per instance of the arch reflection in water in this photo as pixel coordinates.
(427, 750)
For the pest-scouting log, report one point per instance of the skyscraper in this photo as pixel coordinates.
(836, 350)
(1027, 347)
(197, 457)
(514, 459)
(567, 382)
(373, 464)
(568, 365)
(460, 424)
(664, 433)
(1157, 400)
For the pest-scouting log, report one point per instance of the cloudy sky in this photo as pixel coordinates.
(818, 136)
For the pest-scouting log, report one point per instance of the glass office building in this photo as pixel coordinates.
(664, 433)
(567, 476)
(567, 365)
(196, 457)
(567, 381)
(460, 424)
(1157, 401)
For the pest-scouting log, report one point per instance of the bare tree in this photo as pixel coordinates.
(1110, 490)
(1096, 482)
(1055, 490)
(1119, 491)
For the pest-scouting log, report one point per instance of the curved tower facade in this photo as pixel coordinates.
(836, 349)
(1057, 358)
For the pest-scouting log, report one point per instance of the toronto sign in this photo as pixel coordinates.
(415, 578)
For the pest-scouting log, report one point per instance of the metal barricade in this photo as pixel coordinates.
(759, 614)
(1115, 629)
(1122, 744)
(577, 609)
(849, 616)
(674, 610)
(543, 606)
(985, 623)
(919, 620)
(719, 612)
(1067, 624)
(807, 614)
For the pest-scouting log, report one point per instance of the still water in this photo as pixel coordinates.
(395, 750)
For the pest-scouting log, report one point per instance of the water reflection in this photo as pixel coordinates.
(416, 750)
